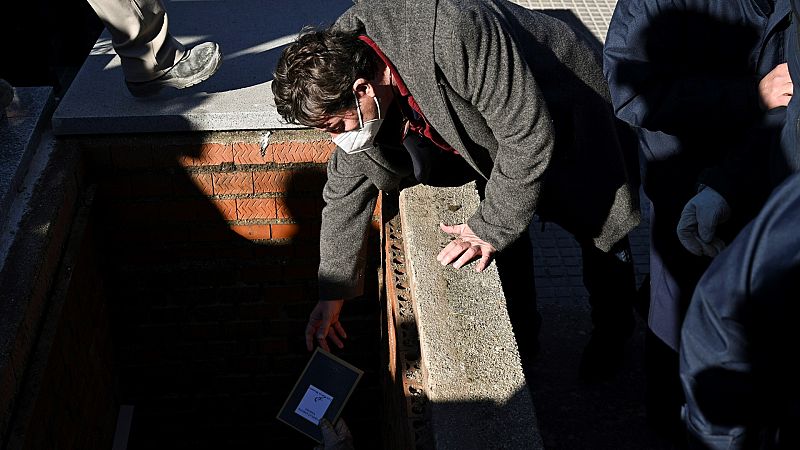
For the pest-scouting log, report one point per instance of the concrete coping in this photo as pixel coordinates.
(476, 388)
(251, 35)
(21, 127)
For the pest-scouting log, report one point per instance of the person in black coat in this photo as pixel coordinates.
(738, 338)
(695, 78)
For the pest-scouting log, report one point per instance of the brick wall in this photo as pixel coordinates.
(212, 248)
(70, 395)
(61, 392)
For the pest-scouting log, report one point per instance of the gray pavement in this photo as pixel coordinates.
(572, 414)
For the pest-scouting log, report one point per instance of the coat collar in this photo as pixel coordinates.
(413, 55)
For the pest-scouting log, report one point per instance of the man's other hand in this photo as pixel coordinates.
(335, 437)
(776, 88)
(324, 324)
(465, 247)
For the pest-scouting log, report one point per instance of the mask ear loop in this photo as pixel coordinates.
(378, 105)
(358, 110)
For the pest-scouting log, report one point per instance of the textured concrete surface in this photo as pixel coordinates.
(20, 133)
(237, 97)
(476, 387)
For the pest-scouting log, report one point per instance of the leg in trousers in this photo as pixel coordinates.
(610, 281)
(140, 37)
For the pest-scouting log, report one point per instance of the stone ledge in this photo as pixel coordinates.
(28, 273)
(477, 391)
(20, 133)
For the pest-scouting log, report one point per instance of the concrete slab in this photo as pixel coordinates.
(251, 34)
(477, 391)
(19, 136)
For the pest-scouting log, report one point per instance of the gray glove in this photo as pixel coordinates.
(699, 220)
(335, 438)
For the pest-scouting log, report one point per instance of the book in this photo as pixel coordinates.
(321, 391)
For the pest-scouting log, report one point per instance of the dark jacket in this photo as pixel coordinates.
(686, 73)
(518, 95)
(789, 162)
(740, 340)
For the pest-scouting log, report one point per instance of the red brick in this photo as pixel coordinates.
(285, 231)
(309, 179)
(227, 208)
(132, 157)
(193, 184)
(136, 212)
(115, 187)
(272, 181)
(261, 274)
(298, 208)
(190, 210)
(209, 155)
(99, 158)
(240, 253)
(238, 294)
(210, 330)
(233, 183)
(283, 294)
(287, 327)
(259, 311)
(248, 153)
(173, 155)
(173, 234)
(180, 155)
(210, 232)
(297, 272)
(274, 251)
(306, 249)
(255, 208)
(299, 152)
(139, 234)
(270, 346)
(151, 185)
(252, 231)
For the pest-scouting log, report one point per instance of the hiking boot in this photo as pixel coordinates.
(196, 65)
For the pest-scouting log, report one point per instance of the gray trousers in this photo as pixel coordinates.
(139, 35)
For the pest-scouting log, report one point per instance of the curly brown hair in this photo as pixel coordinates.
(315, 74)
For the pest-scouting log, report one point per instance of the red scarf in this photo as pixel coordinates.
(417, 122)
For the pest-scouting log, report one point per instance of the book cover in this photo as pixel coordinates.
(321, 391)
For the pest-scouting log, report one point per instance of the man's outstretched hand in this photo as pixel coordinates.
(324, 324)
(465, 247)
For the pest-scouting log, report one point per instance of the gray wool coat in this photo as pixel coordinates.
(519, 96)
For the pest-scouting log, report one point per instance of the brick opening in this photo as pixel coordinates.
(200, 256)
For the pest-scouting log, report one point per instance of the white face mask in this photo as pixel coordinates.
(363, 138)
